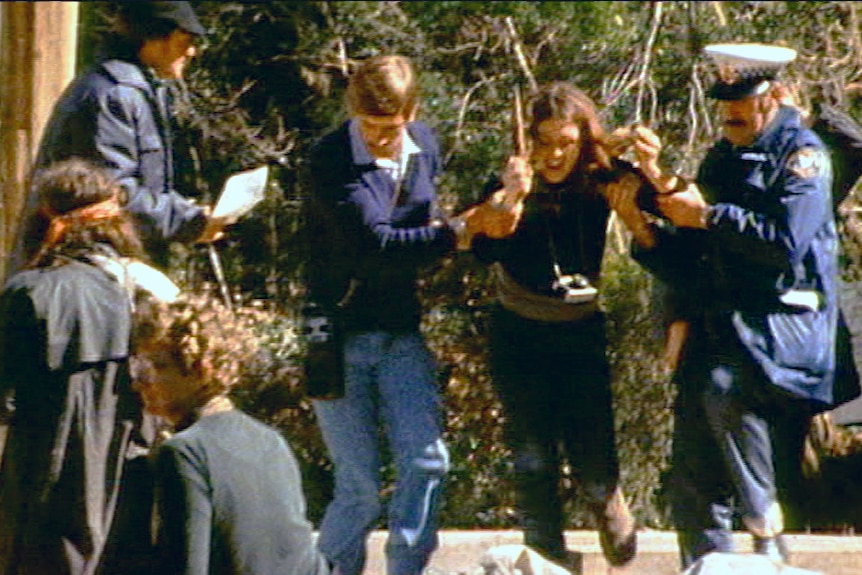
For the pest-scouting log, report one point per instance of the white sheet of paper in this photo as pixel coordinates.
(242, 191)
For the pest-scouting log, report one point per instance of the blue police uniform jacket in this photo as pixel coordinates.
(767, 262)
(368, 236)
(119, 117)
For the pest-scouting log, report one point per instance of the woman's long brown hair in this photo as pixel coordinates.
(78, 204)
(562, 101)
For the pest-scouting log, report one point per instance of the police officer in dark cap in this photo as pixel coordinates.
(118, 115)
(749, 254)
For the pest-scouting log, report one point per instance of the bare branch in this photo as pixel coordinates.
(719, 11)
(462, 114)
(647, 56)
(519, 54)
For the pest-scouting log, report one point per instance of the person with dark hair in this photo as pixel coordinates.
(547, 335)
(65, 324)
(750, 258)
(228, 488)
(118, 114)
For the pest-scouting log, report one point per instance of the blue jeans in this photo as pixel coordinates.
(390, 379)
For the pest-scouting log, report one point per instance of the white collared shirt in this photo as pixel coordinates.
(395, 168)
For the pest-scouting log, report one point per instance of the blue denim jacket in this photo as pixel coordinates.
(771, 238)
(114, 116)
(359, 231)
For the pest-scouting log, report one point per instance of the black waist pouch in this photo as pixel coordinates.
(324, 353)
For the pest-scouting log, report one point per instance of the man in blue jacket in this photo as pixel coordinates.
(750, 253)
(373, 225)
(118, 115)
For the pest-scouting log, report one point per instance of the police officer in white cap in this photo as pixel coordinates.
(749, 254)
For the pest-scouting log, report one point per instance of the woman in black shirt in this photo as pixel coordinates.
(547, 341)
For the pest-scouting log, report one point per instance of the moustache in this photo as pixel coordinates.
(735, 123)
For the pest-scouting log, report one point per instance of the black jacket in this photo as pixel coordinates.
(360, 229)
(64, 342)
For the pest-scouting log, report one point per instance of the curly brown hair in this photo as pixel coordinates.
(204, 338)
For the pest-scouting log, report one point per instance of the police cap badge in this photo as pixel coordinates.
(746, 69)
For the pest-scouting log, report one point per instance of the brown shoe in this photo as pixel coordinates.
(617, 530)
(573, 562)
(773, 547)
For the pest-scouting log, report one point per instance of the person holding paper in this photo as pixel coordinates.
(118, 115)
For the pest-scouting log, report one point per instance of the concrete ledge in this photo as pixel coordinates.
(460, 551)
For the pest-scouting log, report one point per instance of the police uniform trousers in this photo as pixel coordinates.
(734, 433)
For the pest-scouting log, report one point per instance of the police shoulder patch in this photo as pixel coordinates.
(808, 163)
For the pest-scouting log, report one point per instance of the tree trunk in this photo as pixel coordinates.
(37, 59)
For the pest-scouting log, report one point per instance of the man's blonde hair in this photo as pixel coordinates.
(383, 86)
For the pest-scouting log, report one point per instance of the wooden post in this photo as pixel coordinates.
(37, 59)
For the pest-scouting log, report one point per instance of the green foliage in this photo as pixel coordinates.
(643, 394)
(478, 493)
(270, 80)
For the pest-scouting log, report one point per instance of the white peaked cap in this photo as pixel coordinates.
(746, 69)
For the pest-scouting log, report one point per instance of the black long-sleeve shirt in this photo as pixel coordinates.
(563, 224)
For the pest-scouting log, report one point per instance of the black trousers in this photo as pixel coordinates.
(553, 381)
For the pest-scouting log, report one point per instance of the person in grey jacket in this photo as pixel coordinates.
(228, 487)
(117, 114)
